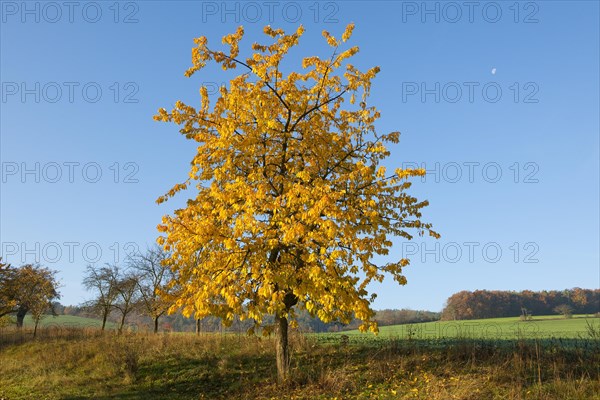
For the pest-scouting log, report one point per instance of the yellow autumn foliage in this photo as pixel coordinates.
(291, 204)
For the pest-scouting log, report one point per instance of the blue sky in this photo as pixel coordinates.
(498, 100)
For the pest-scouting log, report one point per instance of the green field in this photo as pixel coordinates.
(66, 321)
(550, 326)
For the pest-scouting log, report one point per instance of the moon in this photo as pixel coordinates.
(493, 71)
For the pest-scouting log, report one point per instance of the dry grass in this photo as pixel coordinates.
(85, 365)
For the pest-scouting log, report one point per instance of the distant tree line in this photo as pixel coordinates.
(497, 304)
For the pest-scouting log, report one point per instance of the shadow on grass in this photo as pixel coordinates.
(192, 378)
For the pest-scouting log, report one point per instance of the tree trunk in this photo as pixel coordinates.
(37, 321)
(104, 316)
(21, 316)
(281, 349)
(122, 323)
(155, 325)
(197, 326)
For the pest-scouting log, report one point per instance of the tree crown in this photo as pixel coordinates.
(292, 203)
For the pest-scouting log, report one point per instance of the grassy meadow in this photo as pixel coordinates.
(80, 363)
(551, 326)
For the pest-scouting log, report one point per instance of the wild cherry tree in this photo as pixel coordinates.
(292, 203)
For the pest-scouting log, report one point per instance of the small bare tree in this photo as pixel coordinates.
(525, 315)
(153, 276)
(101, 280)
(565, 310)
(127, 295)
(39, 311)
